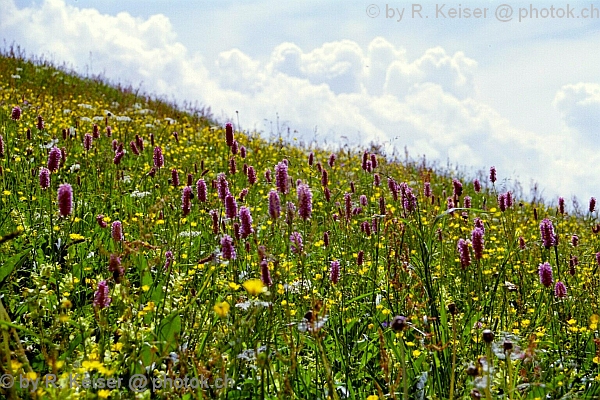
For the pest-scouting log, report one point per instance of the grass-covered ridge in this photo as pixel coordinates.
(373, 279)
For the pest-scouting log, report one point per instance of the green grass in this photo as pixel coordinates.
(206, 318)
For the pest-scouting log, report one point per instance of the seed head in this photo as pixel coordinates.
(488, 336)
(399, 323)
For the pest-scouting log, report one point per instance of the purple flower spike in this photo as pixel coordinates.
(561, 205)
(229, 134)
(545, 272)
(281, 177)
(296, 239)
(476, 186)
(159, 159)
(493, 174)
(251, 174)
(87, 142)
(304, 201)
(134, 148)
(118, 157)
(265, 274)
(246, 220)
(44, 178)
(65, 199)
(477, 242)
(467, 202)
(331, 160)
(334, 274)
(227, 249)
(15, 115)
(174, 177)
(230, 206)
(100, 221)
(427, 189)
(201, 190)
(101, 297)
(502, 202)
(40, 123)
(222, 186)
(168, 259)
(54, 159)
(560, 290)
(186, 200)
(274, 204)
(463, 252)
(457, 188)
(116, 231)
(547, 233)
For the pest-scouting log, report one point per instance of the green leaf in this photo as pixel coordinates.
(14, 262)
(169, 328)
(72, 346)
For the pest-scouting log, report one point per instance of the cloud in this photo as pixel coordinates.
(579, 107)
(346, 93)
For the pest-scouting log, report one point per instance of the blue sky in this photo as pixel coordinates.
(523, 96)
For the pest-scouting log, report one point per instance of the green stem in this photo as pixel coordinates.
(452, 376)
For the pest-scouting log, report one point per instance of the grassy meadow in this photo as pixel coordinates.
(182, 258)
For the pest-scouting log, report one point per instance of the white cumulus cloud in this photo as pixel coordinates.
(346, 93)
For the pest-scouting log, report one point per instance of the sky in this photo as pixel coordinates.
(517, 88)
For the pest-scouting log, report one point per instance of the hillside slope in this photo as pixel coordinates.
(138, 238)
